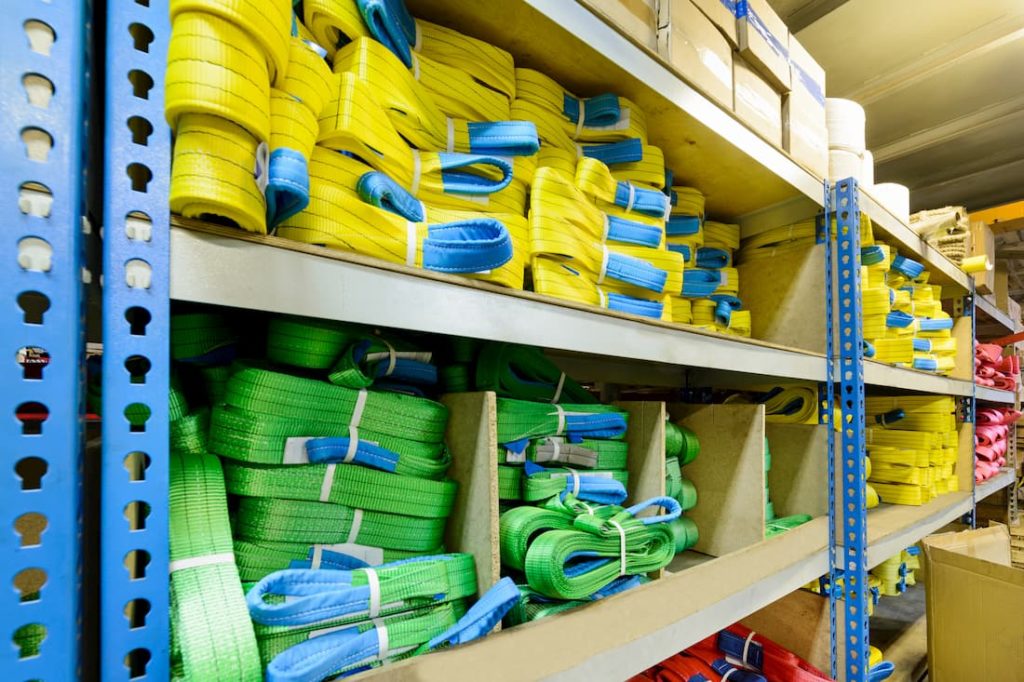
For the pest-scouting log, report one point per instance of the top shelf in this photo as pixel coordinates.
(988, 308)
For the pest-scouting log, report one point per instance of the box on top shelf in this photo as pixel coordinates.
(764, 41)
(756, 102)
(636, 18)
(692, 44)
(804, 132)
(984, 244)
(722, 14)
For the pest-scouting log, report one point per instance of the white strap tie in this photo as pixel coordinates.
(726, 675)
(357, 522)
(622, 546)
(607, 228)
(392, 358)
(328, 482)
(590, 510)
(579, 151)
(353, 445)
(668, 209)
(632, 196)
(415, 67)
(575, 482)
(418, 41)
(450, 144)
(410, 244)
(604, 264)
(382, 640)
(357, 411)
(560, 411)
(601, 297)
(318, 555)
(556, 449)
(197, 561)
(579, 120)
(746, 646)
(417, 171)
(373, 582)
(558, 388)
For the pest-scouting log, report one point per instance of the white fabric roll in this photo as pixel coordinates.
(843, 164)
(895, 197)
(845, 121)
(867, 173)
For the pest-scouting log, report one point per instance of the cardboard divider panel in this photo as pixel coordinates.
(728, 474)
(798, 480)
(800, 622)
(646, 439)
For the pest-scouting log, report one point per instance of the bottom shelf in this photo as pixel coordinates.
(894, 527)
(618, 637)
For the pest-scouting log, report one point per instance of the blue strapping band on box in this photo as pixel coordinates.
(743, 10)
(809, 84)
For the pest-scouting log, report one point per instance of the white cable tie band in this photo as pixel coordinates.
(556, 449)
(579, 151)
(357, 522)
(353, 445)
(607, 228)
(575, 482)
(382, 640)
(561, 419)
(604, 264)
(590, 510)
(746, 647)
(357, 411)
(197, 561)
(579, 120)
(392, 357)
(318, 555)
(622, 546)
(450, 144)
(602, 299)
(558, 388)
(418, 41)
(373, 582)
(668, 209)
(328, 482)
(410, 244)
(415, 67)
(632, 196)
(417, 170)
(726, 675)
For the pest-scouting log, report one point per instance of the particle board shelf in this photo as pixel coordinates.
(224, 266)
(894, 527)
(881, 374)
(1003, 479)
(988, 308)
(994, 395)
(607, 641)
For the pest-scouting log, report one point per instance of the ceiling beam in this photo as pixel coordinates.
(810, 12)
(982, 40)
(1001, 219)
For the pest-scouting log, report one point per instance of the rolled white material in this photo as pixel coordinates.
(845, 121)
(895, 197)
(867, 173)
(843, 164)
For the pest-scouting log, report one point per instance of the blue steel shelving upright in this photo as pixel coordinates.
(848, 546)
(136, 330)
(42, 119)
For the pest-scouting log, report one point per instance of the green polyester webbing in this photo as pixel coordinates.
(607, 454)
(681, 442)
(676, 486)
(684, 530)
(524, 373)
(646, 548)
(344, 484)
(257, 558)
(519, 419)
(518, 527)
(212, 635)
(275, 520)
(307, 342)
(533, 606)
(510, 483)
(402, 587)
(781, 525)
(196, 334)
(545, 484)
(405, 629)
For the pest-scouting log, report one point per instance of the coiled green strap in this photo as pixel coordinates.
(257, 558)
(194, 335)
(307, 342)
(518, 527)
(524, 373)
(519, 419)
(542, 485)
(606, 454)
(510, 483)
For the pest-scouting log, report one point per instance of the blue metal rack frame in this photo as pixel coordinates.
(42, 118)
(136, 331)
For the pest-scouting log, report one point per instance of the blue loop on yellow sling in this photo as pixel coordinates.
(635, 271)
(378, 189)
(930, 325)
(287, 190)
(600, 110)
(923, 345)
(890, 417)
(869, 255)
(682, 225)
(869, 350)
(714, 258)
(724, 305)
(391, 24)
(630, 232)
(471, 245)
(635, 306)
(700, 283)
(461, 182)
(898, 319)
(926, 364)
(623, 151)
(507, 138)
(683, 249)
(908, 267)
(646, 201)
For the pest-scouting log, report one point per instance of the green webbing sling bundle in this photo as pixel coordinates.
(681, 448)
(519, 419)
(257, 558)
(194, 335)
(588, 453)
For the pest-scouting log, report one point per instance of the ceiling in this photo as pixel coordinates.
(942, 82)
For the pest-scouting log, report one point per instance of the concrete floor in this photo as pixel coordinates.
(899, 629)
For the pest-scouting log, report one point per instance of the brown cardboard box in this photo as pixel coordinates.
(764, 42)
(1002, 290)
(756, 102)
(974, 603)
(692, 44)
(635, 18)
(722, 14)
(984, 243)
(804, 134)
